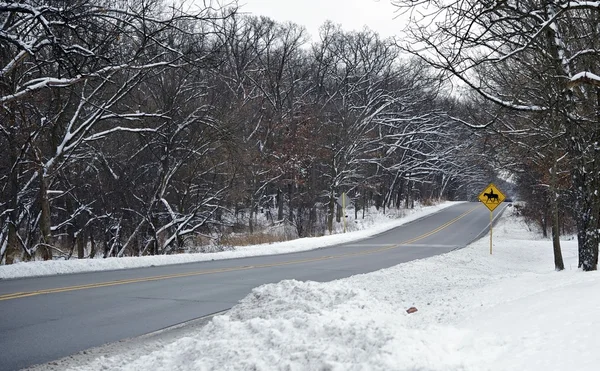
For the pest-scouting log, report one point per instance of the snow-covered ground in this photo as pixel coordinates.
(361, 228)
(476, 311)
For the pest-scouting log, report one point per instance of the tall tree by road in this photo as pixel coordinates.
(554, 39)
(66, 69)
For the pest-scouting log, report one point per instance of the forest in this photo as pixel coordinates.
(139, 127)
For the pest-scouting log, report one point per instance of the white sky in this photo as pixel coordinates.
(378, 15)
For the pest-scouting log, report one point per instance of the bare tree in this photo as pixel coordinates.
(136, 128)
(554, 39)
(65, 72)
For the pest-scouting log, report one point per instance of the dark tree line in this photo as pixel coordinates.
(135, 127)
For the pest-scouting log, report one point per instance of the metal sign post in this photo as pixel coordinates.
(491, 229)
(491, 198)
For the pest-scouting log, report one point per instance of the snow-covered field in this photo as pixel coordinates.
(476, 311)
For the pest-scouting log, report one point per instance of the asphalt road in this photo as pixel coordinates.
(46, 318)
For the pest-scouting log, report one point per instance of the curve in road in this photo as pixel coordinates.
(47, 318)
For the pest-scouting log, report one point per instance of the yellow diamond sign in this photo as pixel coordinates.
(491, 197)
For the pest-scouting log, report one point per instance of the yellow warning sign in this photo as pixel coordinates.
(491, 197)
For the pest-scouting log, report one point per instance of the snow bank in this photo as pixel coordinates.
(507, 311)
(370, 226)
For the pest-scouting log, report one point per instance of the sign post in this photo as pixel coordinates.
(491, 197)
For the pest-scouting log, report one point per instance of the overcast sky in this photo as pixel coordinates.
(378, 15)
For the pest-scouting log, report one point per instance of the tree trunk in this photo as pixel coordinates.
(279, 205)
(584, 172)
(312, 221)
(71, 240)
(330, 211)
(392, 190)
(408, 192)
(12, 248)
(251, 217)
(559, 265)
(544, 225)
(290, 203)
(46, 233)
(81, 240)
(586, 217)
(105, 247)
(400, 193)
(586, 185)
(92, 245)
(588, 250)
(364, 206)
(300, 225)
(383, 203)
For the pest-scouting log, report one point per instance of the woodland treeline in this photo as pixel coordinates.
(136, 127)
(130, 128)
(533, 71)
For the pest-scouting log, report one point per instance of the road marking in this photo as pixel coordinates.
(434, 246)
(18, 295)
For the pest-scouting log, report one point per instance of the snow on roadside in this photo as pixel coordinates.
(507, 311)
(370, 227)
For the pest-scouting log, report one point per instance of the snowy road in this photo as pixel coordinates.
(48, 318)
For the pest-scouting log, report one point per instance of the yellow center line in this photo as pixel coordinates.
(413, 240)
(18, 295)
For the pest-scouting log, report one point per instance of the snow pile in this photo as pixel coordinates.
(369, 226)
(508, 311)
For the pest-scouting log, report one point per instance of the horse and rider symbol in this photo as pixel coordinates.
(491, 196)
